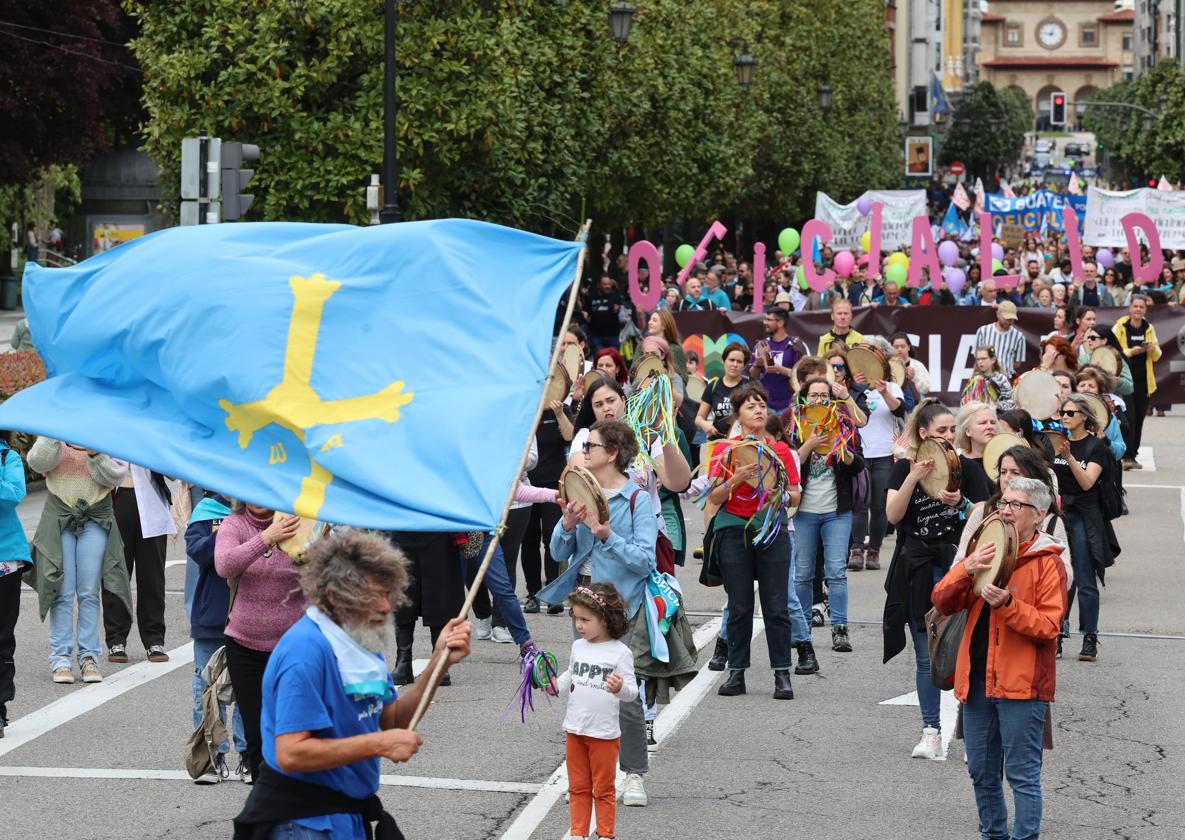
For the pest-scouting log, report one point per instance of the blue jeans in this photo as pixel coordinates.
(1004, 735)
(203, 649)
(1086, 583)
(597, 343)
(800, 626)
(497, 581)
(929, 696)
(836, 529)
(292, 831)
(82, 570)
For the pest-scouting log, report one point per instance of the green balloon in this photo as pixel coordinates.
(801, 275)
(683, 254)
(997, 266)
(788, 240)
(897, 273)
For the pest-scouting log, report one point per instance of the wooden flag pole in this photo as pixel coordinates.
(439, 657)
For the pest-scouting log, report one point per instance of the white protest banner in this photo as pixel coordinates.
(847, 223)
(1105, 210)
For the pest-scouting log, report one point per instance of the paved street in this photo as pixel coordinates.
(105, 761)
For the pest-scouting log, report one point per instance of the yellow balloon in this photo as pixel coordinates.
(866, 241)
(898, 257)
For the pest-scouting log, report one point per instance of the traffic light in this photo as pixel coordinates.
(1152, 182)
(1057, 108)
(235, 178)
(200, 180)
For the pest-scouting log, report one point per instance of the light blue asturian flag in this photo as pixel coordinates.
(382, 377)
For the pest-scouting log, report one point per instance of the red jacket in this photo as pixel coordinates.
(1022, 636)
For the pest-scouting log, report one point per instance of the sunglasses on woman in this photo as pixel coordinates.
(838, 366)
(588, 445)
(1065, 412)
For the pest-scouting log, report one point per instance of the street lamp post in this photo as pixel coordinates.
(621, 18)
(824, 97)
(390, 211)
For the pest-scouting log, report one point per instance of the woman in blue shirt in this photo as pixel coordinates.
(14, 559)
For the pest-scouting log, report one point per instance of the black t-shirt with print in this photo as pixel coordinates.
(553, 450)
(602, 313)
(931, 520)
(1138, 337)
(719, 397)
(1089, 450)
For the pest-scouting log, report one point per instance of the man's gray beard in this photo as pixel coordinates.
(375, 639)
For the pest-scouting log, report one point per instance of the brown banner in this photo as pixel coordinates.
(943, 338)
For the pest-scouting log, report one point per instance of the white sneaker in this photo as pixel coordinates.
(931, 744)
(633, 792)
(484, 629)
(502, 636)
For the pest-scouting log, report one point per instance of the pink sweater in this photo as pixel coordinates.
(268, 600)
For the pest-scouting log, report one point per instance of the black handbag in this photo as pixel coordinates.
(944, 634)
(709, 573)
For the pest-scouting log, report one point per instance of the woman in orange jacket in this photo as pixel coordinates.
(1006, 668)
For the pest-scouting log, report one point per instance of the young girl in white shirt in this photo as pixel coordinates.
(600, 675)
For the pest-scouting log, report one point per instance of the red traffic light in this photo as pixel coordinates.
(1059, 100)
(1152, 182)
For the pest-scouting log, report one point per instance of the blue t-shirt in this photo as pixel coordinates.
(302, 692)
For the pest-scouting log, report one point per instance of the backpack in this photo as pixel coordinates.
(944, 634)
(1111, 490)
(664, 549)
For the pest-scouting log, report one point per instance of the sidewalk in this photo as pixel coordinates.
(8, 322)
(30, 509)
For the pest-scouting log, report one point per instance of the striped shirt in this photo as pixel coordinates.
(1009, 345)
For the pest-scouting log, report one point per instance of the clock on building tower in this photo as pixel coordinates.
(1051, 33)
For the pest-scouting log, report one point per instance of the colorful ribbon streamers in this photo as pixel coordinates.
(650, 412)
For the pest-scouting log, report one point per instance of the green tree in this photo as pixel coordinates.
(1132, 149)
(987, 129)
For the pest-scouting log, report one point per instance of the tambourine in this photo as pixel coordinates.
(996, 447)
(558, 386)
(579, 485)
(573, 362)
(1107, 359)
(993, 529)
(871, 361)
(308, 532)
(592, 377)
(796, 376)
(650, 364)
(744, 453)
(1055, 433)
(1039, 393)
(821, 420)
(897, 370)
(695, 388)
(947, 475)
(1098, 410)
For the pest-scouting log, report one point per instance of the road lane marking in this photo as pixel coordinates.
(948, 712)
(180, 775)
(1146, 458)
(86, 698)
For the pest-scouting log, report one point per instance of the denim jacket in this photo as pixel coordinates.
(625, 559)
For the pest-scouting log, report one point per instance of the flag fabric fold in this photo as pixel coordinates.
(382, 377)
(959, 197)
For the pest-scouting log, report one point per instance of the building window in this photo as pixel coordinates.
(1127, 42)
(1128, 75)
(1012, 35)
(1088, 35)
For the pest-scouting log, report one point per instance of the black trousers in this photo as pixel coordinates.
(1137, 410)
(544, 518)
(516, 526)
(246, 676)
(146, 559)
(10, 609)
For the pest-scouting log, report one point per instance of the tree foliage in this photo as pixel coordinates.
(522, 111)
(1132, 149)
(987, 129)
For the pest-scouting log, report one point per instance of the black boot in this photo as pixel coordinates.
(446, 679)
(734, 685)
(719, 656)
(807, 663)
(1090, 648)
(405, 635)
(782, 689)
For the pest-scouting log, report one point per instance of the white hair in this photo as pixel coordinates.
(1036, 490)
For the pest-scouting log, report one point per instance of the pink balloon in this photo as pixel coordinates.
(948, 252)
(864, 205)
(997, 251)
(956, 279)
(1105, 258)
(844, 263)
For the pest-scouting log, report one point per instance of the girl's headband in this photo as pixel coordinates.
(584, 590)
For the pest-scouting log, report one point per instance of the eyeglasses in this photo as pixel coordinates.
(1004, 504)
(838, 366)
(588, 445)
(1093, 338)
(1069, 412)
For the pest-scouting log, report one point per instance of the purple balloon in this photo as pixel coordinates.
(844, 263)
(956, 279)
(864, 205)
(1105, 258)
(948, 252)
(997, 251)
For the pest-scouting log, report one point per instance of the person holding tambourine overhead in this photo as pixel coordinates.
(929, 523)
(1078, 464)
(619, 551)
(751, 544)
